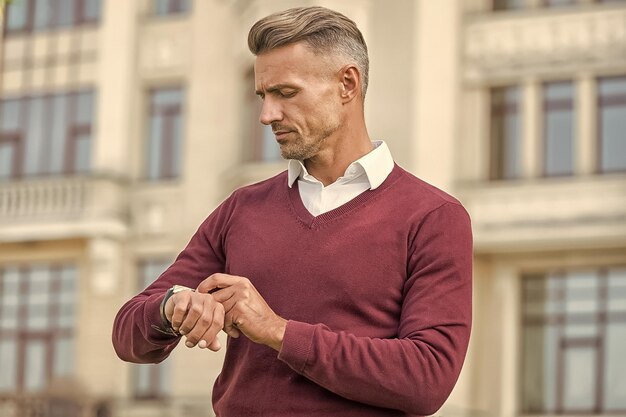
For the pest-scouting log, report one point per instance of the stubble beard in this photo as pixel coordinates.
(302, 149)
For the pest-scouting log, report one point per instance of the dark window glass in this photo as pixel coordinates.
(612, 123)
(574, 326)
(165, 130)
(558, 111)
(151, 380)
(506, 145)
(508, 4)
(167, 7)
(37, 320)
(38, 15)
(46, 135)
(261, 143)
(558, 3)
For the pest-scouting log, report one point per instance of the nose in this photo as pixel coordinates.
(270, 112)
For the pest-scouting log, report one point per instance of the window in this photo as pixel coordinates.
(508, 4)
(46, 135)
(38, 15)
(37, 304)
(506, 146)
(261, 143)
(151, 380)
(558, 111)
(165, 130)
(558, 3)
(574, 336)
(167, 7)
(612, 123)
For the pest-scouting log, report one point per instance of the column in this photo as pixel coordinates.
(116, 88)
(436, 91)
(531, 128)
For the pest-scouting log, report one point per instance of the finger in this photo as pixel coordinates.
(217, 281)
(223, 294)
(215, 345)
(209, 323)
(180, 303)
(194, 312)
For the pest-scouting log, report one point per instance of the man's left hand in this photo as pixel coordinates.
(245, 310)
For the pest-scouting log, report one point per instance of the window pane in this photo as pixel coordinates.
(7, 156)
(9, 301)
(615, 375)
(63, 354)
(34, 136)
(540, 349)
(155, 148)
(559, 128)
(558, 3)
(38, 300)
(10, 116)
(505, 134)
(84, 108)
(142, 380)
(165, 130)
(34, 375)
(150, 271)
(58, 134)
(271, 150)
(43, 14)
(92, 10)
(65, 13)
(8, 364)
(165, 7)
(617, 291)
(16, 15)
(82, 152)
(508, 4)
(175, 153)
(612, 123)
(579, 379)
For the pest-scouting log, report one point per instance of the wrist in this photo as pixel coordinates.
(278, 334)
(165, 322)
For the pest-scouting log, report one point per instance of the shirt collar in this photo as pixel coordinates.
(377, 164)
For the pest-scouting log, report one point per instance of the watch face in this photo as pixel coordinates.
(179, 288)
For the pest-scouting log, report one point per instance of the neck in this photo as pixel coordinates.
(337, 154)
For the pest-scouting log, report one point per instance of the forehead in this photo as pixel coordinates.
(290, 63)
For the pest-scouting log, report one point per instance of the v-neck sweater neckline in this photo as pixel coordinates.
(314, 222)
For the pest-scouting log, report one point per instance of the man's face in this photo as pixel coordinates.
(301, 99)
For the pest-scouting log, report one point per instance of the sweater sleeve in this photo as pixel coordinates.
(416, 371)
(138, 335)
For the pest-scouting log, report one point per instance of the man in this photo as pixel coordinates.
(344, 283)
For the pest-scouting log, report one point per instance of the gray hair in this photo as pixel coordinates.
(322, 29)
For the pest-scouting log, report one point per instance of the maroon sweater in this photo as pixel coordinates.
(377, 291)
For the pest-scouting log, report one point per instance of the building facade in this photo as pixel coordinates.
(124, 123)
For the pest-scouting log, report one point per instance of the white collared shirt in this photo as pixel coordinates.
(367, 172)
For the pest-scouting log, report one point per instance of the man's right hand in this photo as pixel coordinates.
(197, 316)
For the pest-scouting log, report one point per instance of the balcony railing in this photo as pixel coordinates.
(47, 406)
(49, 203)
(549, 213)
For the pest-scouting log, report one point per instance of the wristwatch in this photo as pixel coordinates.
(167, 326)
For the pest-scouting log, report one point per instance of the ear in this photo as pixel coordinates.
(350, 79)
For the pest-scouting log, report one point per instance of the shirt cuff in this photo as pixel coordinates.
(297, 345)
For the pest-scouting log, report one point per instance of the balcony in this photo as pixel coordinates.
(547, 214)
(62, 208)
(499, 46)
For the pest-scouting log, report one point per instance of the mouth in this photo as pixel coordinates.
(281, 134)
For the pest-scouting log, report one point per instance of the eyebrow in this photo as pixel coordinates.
(276, 87)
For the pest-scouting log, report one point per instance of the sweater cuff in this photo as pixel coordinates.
(296, 345)
(157, 333)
